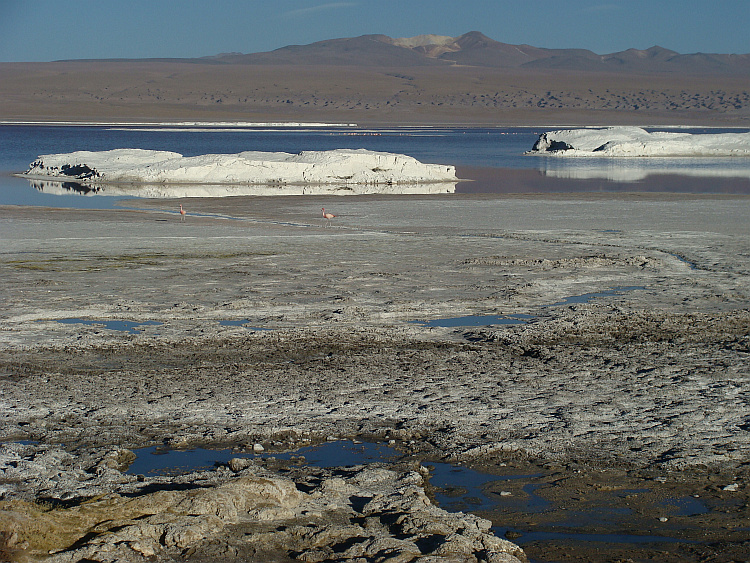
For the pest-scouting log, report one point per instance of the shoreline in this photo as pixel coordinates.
(460, 95)
(181, 124)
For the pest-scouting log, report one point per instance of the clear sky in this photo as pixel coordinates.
(45, 30)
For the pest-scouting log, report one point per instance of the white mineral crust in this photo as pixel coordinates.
(179, 190)
(341, 166)
(634, 141)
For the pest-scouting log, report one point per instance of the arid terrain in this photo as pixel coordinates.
(369, 80)
(137, 91)
(625, 387)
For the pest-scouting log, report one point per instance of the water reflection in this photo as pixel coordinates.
(639, 169)
(169, 191)
(584, 177)
(64, 188)
(524, 537)
(461, 488)
(132, 327)
(157, 460)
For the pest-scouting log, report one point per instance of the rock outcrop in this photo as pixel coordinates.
(634, 141)
(355, 514)
(341, 167)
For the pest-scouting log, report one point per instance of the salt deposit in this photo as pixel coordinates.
(634, 141)
(182, 190)
(642, 391)
(341, 167)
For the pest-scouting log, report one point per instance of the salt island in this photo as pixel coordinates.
(637, 142)
(339, 167)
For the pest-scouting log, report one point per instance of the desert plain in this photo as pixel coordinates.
(139, 91)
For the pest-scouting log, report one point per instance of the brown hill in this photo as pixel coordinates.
(375, 79)
(366, 50)
(476, 49)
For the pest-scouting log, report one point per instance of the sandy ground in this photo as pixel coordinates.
(647, 383)
(172, 91)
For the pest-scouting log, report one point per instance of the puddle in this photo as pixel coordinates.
(687, 506)
(521, 537)
(125, 326)
(344, 453)
(517, 319)
(611, 516)
(462, 488)
(243, 323)
(157, 460)
(134, 327)
(21, 442)
(535, 503)
(477, 320)
(456, 488)
(587, 297)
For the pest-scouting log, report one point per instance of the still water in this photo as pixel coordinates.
(492, 157)
(455, 488)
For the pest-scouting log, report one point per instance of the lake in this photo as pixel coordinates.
(491, 157)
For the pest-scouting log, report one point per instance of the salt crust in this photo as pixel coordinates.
(341, 166)
(634, 141)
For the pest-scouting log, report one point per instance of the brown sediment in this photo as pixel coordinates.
(143, 91)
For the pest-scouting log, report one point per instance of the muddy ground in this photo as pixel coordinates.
(624, 387)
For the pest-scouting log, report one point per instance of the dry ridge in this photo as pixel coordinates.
(375, 79)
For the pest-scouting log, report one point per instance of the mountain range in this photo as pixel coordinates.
(376, 79)
(476, 49)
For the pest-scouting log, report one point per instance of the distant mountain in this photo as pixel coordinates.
(366, 50)
(476, 49)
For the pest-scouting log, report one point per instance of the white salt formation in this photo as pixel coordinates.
(342, 167)
(175, 190)
(634, 141)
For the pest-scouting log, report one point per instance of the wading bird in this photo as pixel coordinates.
(327, 216)
(182, 213)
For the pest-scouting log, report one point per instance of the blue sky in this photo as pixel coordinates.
(44, 30)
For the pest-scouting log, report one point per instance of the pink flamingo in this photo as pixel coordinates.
(182, 213)
(328, 216)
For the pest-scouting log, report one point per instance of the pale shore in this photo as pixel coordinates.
(647, 383)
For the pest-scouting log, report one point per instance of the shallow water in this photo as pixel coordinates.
(20, 145)
(134, 327)
(461, 488)
(687, 506)
(525, 537)
(455, 488)
(156, 460)
(131, 327)
(492, 157)
(521, 318)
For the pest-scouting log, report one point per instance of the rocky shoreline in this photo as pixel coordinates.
(241, 511)
(647, 382)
